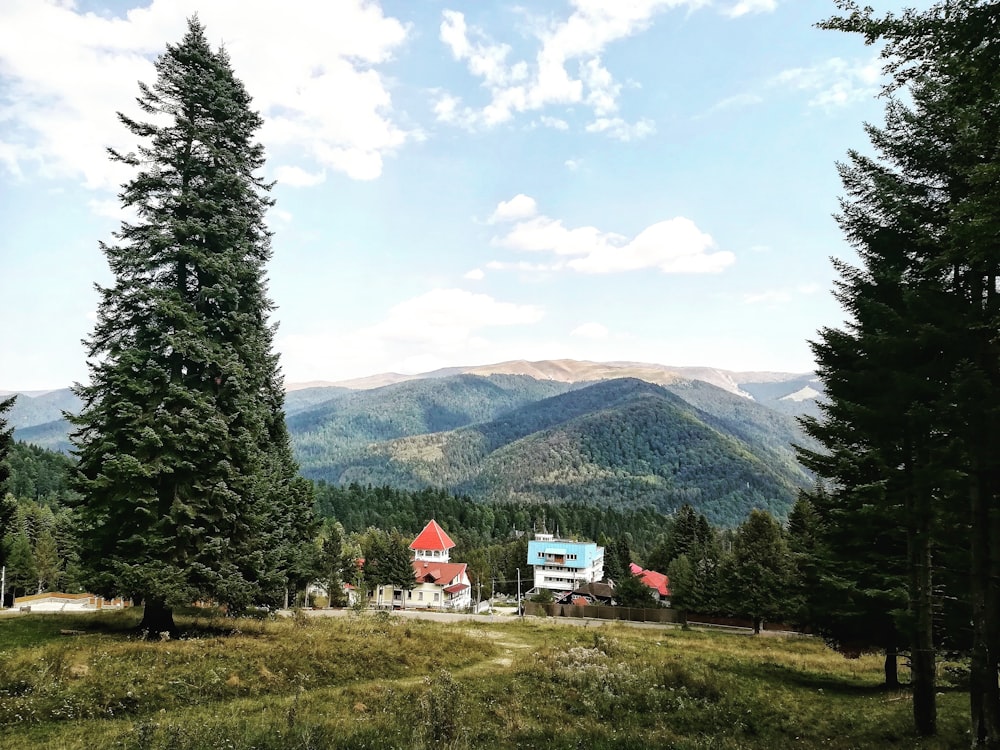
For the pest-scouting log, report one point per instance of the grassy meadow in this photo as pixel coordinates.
(380, 681)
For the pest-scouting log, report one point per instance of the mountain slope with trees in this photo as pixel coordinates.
(348, 421)
(624, 442)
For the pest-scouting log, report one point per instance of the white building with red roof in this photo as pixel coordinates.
(440, 583)
(657, 582)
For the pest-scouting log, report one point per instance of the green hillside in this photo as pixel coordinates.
(623, 442)
(325, 434)
(52, 435)
(304, 399)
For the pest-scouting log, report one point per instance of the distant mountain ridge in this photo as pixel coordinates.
(578, 371)
(620, 443)
(620, 433)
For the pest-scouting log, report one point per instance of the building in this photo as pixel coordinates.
(658, 583)
(440, 583)
(564, 565)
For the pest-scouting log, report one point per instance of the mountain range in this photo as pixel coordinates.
(613, 434)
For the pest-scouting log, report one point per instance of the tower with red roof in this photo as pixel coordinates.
(432, 544)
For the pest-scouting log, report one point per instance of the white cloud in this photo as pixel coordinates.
(673, 246)
(617, 128)
(576, 42)
(781, 296)
(834, 82)
(573, 164)
(554, 122)
(110, 208)
(66, 73)
(590, 331)
(476, 274)
(744, 7)
(520, 206)
(738, 101)
(523, 266)
(442, 326)
(298, 177)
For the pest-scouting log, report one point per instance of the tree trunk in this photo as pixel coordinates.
(923, 679)
(984, 692)
(157, 618)
(891, 667)
(758, 623)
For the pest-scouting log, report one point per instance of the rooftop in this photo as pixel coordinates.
(433, 537)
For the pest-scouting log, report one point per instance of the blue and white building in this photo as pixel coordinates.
(564, 565)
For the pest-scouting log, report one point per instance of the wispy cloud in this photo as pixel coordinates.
(567, 70)
(298, 177)
(319, 84)
(673, 246)
(833, 83)
(743, 7)
(440, 327)
(780, 296)
(595, 331)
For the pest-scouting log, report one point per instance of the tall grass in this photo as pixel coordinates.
(366, 682)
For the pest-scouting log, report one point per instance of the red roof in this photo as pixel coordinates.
(432, 538)
(580, 601)
(456, 588)
(435, 572)
(651, 578)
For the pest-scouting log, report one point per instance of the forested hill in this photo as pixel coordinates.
(625, 443)
(516, 439)
(327, 433)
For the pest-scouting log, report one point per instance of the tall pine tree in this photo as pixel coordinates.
(914, 383)
(6, 442)
(188, 482)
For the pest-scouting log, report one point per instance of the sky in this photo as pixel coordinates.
(463, 182)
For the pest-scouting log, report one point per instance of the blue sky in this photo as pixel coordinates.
(464, 183)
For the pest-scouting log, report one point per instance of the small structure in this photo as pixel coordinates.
(440, 583)
(658, 583)
(563, 564)
(599, 592)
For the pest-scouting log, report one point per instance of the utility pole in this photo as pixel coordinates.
(3, 584)
(520, 605)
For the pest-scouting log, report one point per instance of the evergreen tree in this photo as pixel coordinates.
(21, 571)
(630, 591)
(757, 574)
(6, 442)
(48, 565)
(329, 563)
(398, 564)
(681, 574)
(189, 487)
(914, 381)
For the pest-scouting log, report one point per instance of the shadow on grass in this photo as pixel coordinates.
(809, 680)
(27, 630)
(37, 629)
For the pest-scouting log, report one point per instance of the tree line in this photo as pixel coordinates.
(909, 438)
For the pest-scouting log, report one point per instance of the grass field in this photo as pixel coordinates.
(379, 681)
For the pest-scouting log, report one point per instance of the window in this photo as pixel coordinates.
(420, 596)
(437, 597)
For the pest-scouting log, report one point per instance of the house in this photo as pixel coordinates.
(440, 583)
(657, 582)
(600, 592)
(564, 565)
